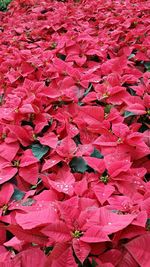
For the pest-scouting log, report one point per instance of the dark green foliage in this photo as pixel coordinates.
(28, 202)
(39, 150)
(97, 154)
(94, 264)
(147, 65)
(4, 4)
(17, 195)
(128, 114)
(78, 164)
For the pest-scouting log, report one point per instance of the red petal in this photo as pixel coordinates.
(27, 158)
(81, 249)
(33, 257)
(113, 222)
(36, 218)
(94, 234)
(95, 163)
(9, 151)
(30, 173)
(57, 231)
(51, 162)
(49, 139)
(64, 181)
(139, 249)
(103, 192)
(28, 235)
(65, 260)
(7, 173)
(6, 193)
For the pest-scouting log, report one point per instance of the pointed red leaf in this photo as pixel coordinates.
(94, 234)
(57, 231)
(139, 249)
(81, 249)
(49, 139)
(103, 192)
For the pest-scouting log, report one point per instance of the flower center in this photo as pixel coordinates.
(4, 209)
(16, 163)
(77, 234)
(105, 95)
(16, 110)
(34, 137)
(119, 141)
(32, 116)
(53, 45)
(4, 135)
(104, 179)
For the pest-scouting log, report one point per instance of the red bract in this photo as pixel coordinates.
(26, 166)
(49, 139)
(61, 256)
(74, 133)
(66, 148)
(138, 249)
(72, 228)
(7, 191)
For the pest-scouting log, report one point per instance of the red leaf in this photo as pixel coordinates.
(51, 162)
(95, 163)
(33, 257)
(103, 192)
(29, 173)
(65, 260)
(139, 249)
(49, 139)
(9, 151)
(5, 193)
(66, 148)
(57, 231)
(92, 115)
(27, 159)
(94, 234)
(64, 181)
(32, 236)
(7, 173)
(20, 133)
(81, 249)
(113, 222)
(35, 218)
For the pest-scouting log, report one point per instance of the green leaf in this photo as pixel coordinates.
(36, 185)
(128, 114)
(39, 150)
(85, 93)
(148, 224)
(47, 250)
(4, 4)
(94, 263)
(28, 202)
(143, 128)
(147, 65)
(97, 154)
(80, 103)
(77, 139)
(88, 90)
(61, 56)
(34, 244)
(108, 108)
(17, 195)
(131, 91)
(77, 164)
(131, 56)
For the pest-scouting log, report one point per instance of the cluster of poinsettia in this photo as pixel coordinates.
(74, 134)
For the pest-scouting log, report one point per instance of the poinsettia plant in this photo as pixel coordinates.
(75, 133)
